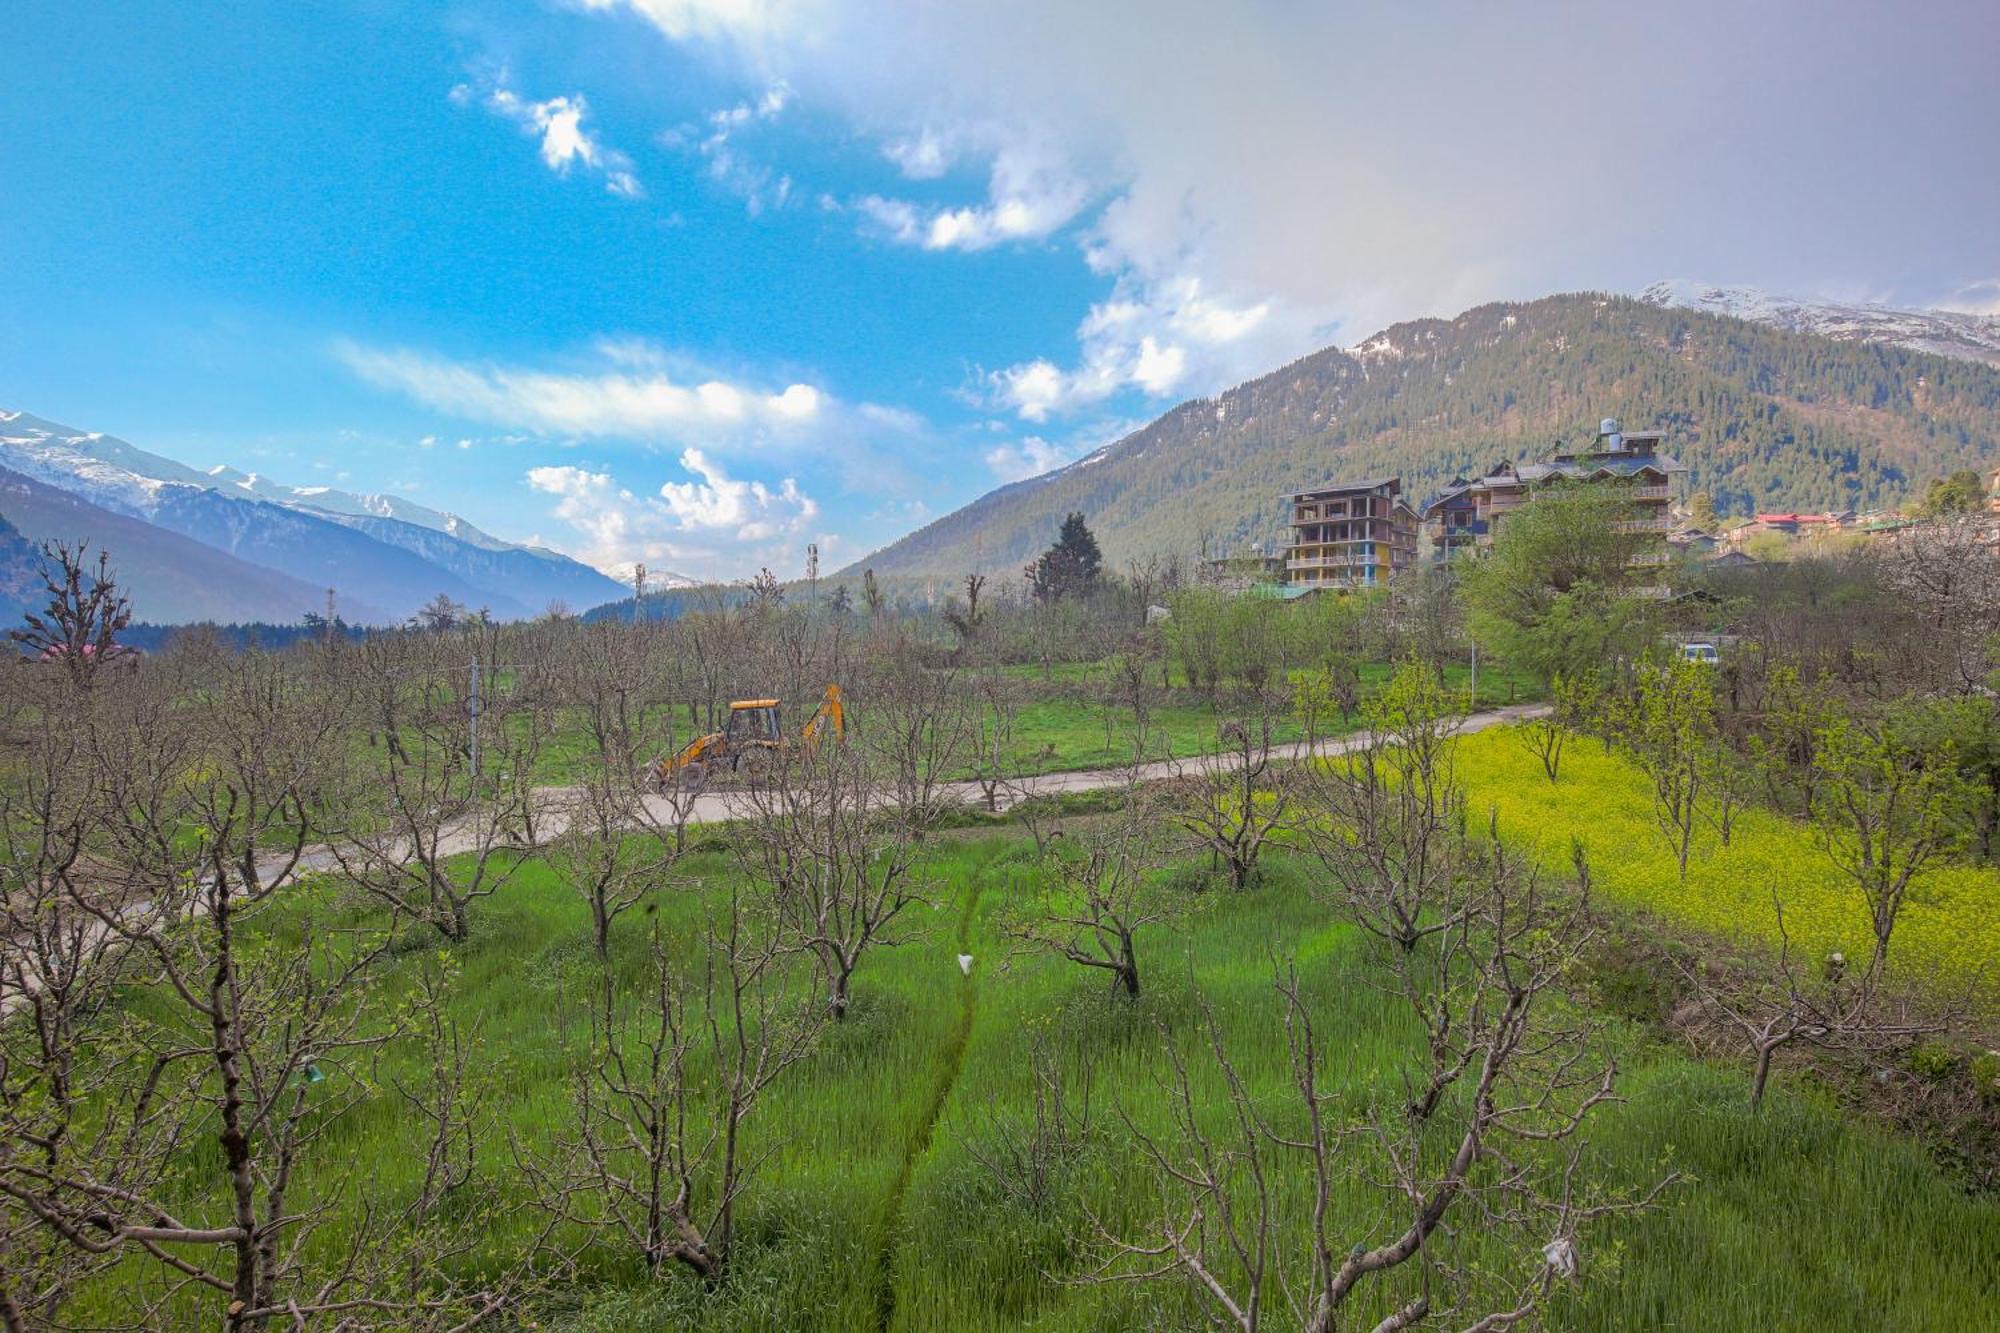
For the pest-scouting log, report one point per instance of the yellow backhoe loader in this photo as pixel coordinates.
(747, 743)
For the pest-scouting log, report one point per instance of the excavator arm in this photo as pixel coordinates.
(830, 713)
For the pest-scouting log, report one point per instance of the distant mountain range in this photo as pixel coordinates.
(284, 546)
(1943, 332)
(1768, 413)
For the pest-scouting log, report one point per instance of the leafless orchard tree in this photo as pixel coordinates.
(1387, 819)
(921, 728)
(1027, 1156)
(659, 1156)
(1236, 798)
(1505, 1148)
(608, 847)
(1670, 729)
(995, 705)
(1832, 1008)
(207, 1161)
(418, 798)
(58, 970)
(1096, 893)
(828, 838)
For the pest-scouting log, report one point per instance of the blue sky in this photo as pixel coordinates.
(701, 281)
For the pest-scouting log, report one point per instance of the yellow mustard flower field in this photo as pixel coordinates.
(1948, 938)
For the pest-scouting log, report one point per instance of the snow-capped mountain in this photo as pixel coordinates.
(380, 550)
(1940, 332)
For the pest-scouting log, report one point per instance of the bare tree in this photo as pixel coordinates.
(1236, 798)
(1833, 1009)
(659, 1159)
(837, 852)
(609, 848)
(1388, 817)
(995, 706)
(58, 970)
(1511, 1147)
(80, 626)
(1095, 894)
(1027, 1157)
(250, 1052)
(434, 815)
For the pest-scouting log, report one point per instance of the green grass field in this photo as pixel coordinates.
(871, 1210)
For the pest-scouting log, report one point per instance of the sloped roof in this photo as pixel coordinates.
(1367, 485)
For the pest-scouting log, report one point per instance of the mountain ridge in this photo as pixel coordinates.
(169, 577)
(1765, 417)
(377, 551)
(1950, 333)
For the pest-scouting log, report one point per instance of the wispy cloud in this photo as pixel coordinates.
(634, 395)
(1030, 457)
(1031, 194)
(564, 142)
(714, 140)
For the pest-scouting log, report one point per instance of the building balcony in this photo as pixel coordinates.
(1645, 525)
(1329, 562)
(1652, 492)
(1649, 558)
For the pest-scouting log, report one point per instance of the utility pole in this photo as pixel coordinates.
(329, 617)
(638, 593)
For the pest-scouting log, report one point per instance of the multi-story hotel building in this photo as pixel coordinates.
(1350, 534)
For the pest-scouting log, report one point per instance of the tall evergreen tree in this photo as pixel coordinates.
(1070, 567)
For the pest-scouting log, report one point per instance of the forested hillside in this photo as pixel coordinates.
(1765, 418)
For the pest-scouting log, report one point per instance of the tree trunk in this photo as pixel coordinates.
(1762, 1076)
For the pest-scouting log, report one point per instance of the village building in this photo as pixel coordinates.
(1467, 514)
(1350, 534)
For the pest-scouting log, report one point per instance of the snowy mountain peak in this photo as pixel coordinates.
(1964, 337)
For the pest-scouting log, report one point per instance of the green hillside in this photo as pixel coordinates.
(1766, 418)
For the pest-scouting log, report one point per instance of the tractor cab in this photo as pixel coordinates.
(753, 720)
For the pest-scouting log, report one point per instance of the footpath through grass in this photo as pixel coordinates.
(1949, 933)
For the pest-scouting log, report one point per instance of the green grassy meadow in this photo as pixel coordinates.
(872, 1210)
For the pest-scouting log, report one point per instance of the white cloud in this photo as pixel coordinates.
(713, 526)
(564, 141)
(923, 156)
(1318, 171)
(714, 140)
(1030, 458)
(1031, 194)
(638, 397)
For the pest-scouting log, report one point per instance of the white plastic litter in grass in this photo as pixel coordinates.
(965, 963)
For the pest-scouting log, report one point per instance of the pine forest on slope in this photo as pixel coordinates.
(1765, 418)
